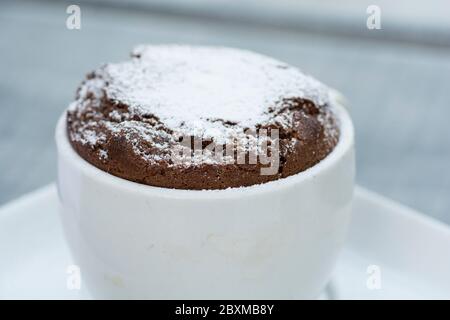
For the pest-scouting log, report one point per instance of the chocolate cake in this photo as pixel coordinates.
(190, 117)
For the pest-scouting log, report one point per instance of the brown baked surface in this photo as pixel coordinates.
(111, 133)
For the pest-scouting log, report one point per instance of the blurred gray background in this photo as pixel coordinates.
(397, 79)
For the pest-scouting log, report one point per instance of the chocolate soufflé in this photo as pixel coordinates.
(132, 119)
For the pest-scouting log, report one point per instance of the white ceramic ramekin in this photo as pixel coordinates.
(277, 240)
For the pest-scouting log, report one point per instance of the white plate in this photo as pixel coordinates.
(400, 253)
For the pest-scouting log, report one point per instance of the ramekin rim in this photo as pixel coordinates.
(344, 145)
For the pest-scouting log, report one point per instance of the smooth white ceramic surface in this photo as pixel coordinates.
(411, 250)
(276, 240)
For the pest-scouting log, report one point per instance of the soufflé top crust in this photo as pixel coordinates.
(190, 117)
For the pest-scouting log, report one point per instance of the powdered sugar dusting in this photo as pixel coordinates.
(209, 92)
(190, 87)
